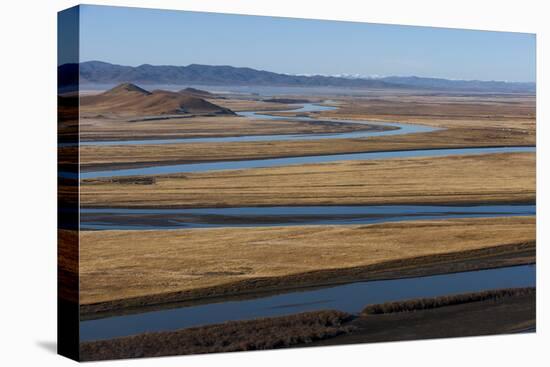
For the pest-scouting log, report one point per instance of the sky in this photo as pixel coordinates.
(135, 36)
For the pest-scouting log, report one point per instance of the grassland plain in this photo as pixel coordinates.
(491, 178)
(108, 123)
(68, 265)
(516, 111)
(127, 156)
(473, 121)
(115, 128)
(492, 312)
(134, 271)
(121, 269)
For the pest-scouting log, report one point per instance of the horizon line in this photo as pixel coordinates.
(313, 75)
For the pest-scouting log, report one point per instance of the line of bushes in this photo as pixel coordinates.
(265, 333)
(435, 302)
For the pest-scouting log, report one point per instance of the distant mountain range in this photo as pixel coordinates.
(98, 72)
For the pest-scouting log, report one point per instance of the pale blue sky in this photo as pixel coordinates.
(133, 36)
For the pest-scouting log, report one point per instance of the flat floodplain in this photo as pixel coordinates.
(254, 191)
(461, 122)
(506, 177)
(145, 267)
(178, 265)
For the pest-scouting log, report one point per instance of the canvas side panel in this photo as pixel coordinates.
(67, 183)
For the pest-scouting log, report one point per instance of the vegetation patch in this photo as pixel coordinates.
(436, 302)
(133, 180)
(265, 333)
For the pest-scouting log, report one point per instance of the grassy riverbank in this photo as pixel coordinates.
(173, 127)
(128, 156)
(125, 269)
(515, 112)
(489, 178)
(467, 121)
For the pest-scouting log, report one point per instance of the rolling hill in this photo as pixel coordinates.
(128, 98)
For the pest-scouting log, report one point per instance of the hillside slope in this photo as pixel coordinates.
(128, 98)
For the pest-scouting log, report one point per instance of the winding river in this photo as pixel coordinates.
(347, 297)
(277, 162)
(396, 129)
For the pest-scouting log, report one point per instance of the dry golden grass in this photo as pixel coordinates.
(117, 265)
(517, 112)
(469, 122)
(67, 265)
(506, 177)
(200, 127)
(134, 155)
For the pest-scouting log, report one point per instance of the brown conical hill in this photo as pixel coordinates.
(125, 88)
(129, 99)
